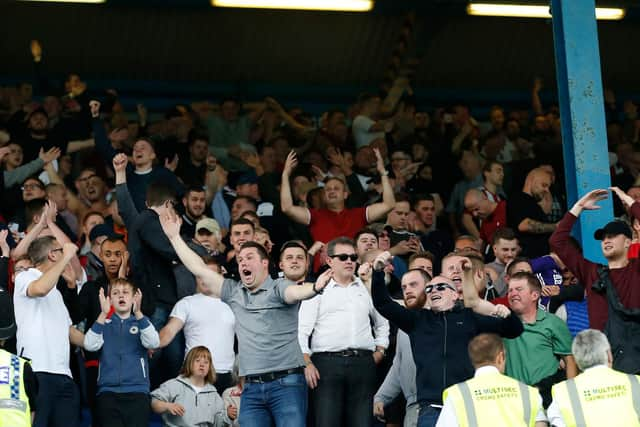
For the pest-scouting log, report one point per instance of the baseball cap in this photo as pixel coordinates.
(613, 229)
(102, 230)
(209, 224)
(7, 317)
(249, 177)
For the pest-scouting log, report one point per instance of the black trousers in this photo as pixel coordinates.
(344, 396)
(58, 401)
(123, 409)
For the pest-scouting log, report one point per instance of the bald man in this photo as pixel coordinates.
(493, 214)
(526, 215)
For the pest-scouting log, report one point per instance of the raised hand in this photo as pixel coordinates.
(36, 50)
(123, 272)
(69, 250)
(120, 162)
(382, 260)
(4, 151)
(52, 212)
(49, 155)
(589, 201)
(173, 164)
(323, 279)
(137, 303)
(364, 272)
(379, 162)
(95, 108)
(171, 223)
(289, 164)
(105, 302)
(624, 197)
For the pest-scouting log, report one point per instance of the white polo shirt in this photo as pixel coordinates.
(43, 326)
(208, 322)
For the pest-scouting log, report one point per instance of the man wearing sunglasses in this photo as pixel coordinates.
(342, 355)
(439, 336)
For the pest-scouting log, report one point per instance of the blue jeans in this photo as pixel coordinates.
(282, 402)
(166, 363)
(428, 416)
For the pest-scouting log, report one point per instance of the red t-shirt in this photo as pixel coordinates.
(326, 225)
(634, 251)
(490, 224)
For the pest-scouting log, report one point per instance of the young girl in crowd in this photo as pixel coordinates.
(191, 400)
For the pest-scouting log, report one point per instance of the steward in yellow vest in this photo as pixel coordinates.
(599, 396)
(17, 380)
(490, 398)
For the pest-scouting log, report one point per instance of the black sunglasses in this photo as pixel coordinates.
(344, 257)
(439, 287)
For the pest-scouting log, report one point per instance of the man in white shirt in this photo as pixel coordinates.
(365, 128)
(45, 331)
(206, 321)
(342, 370)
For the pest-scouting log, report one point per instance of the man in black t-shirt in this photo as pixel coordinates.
(526, 216)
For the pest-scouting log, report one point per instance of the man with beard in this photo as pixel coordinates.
(266, 313)
(526, 217)
(194, 202)
(114, 258)
(339, 348)
(447, 325)
(402, 375)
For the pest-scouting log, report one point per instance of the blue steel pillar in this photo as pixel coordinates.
(580, 93)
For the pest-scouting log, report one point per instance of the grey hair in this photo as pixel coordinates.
(590, 348)
(39, 249)
(331, 246)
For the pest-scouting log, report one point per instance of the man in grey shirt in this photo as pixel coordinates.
(266, 313)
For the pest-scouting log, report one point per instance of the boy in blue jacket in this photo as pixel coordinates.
(123, 379)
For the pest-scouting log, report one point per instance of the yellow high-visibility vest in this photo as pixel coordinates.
(494, 400)
(14, 403)
(599, 397)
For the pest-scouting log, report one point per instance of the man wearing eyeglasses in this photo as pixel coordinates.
(439, 336)
(342, 356)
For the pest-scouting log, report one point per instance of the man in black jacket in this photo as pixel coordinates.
(439, 336)
(152, 262)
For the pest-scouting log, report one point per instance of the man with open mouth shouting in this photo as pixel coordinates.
(266, 313)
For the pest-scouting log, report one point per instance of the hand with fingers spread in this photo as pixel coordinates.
(290, 164)
(49, 155)
(171, 224)
(589, 201)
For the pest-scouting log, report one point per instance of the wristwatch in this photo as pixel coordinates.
(382, 351)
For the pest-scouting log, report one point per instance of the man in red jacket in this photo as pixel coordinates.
(613, 298)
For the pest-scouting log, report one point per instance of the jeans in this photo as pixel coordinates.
(58, 401)
(166, 363)
(344, 395)
(428, 416)
(282, 402)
